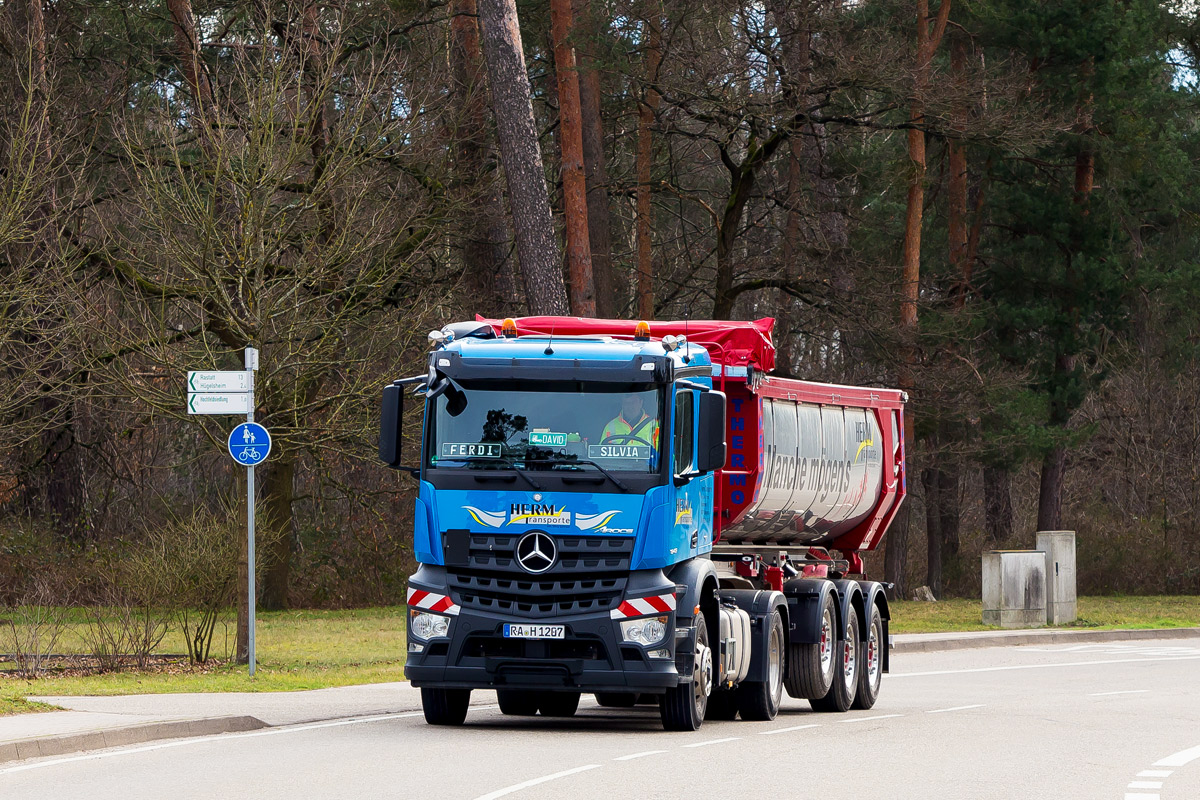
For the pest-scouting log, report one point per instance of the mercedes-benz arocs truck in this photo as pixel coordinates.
(642, 512)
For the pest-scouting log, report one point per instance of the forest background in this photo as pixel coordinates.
(991, 204)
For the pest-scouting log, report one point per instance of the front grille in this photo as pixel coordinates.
(589, 576)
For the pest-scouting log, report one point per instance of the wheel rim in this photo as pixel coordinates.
(702, 675)
(775, 668)
(826, 641)
(874, 662)
(850, 660)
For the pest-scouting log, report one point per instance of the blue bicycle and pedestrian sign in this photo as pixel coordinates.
(249, 444)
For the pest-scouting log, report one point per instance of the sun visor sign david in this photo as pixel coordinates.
(472, 449)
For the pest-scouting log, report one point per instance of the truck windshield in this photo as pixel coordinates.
(614, 426)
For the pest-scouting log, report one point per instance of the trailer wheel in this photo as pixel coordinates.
(682, 707)
(870, 674)
(810, 667)
(558, 704)
(617, 699)
(445, 706)
(845, 684)
(759, 700)
(722, 705)
(517, 702)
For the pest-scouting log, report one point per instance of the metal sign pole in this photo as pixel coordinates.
(251, 365)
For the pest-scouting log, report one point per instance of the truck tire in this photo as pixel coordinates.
(870, 673)
(810, 667)
(682, 708)
(845, 683)
(617, 699)
(558, 704)
(722, 705)
(517, 702)
(759, 701)
(445, 706)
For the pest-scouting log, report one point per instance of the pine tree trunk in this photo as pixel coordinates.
(1050, 491)
(949, 508)
(645, 155)
(595, 167)
(581, 290)
(933, 528)
(484, 234)
(956, 200)
(997, 504)
(895, 552)
(521, 154)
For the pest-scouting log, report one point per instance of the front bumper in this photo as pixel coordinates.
(591, 657)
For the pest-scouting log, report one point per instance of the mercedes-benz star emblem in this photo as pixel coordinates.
(536, 552)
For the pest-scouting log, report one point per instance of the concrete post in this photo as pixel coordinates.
(1059, 547)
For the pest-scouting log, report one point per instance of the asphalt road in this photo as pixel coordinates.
(1086, 722)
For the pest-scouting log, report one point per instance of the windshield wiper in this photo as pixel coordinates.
(603, 471)
(490, 460)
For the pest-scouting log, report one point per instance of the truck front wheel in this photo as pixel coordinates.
(811, 667)
(845, 684)
(558, 704)
(682, 707)
(445, 706)
(517, 702)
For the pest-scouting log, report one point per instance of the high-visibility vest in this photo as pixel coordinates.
(647, 432)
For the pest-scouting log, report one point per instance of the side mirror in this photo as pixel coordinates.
(710, 441)
(390, 427)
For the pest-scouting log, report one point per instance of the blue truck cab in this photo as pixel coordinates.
(565, 499)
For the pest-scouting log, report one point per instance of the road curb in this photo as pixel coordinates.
(1036, 636)
(66, 744)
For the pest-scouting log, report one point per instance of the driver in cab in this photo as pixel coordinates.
(632, 426)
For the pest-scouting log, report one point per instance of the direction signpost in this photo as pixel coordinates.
(213, 392)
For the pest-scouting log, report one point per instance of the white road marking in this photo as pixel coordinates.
(1180, 759)
(868, 719)
(516, 787)
(713, 741)
(793, 728)
(1110, 694)
(1155, 773)
(1145, 785)
(214, 737)
(894, 675)
(639, 755)
(956, 708)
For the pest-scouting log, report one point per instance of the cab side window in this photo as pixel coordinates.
(685, 403)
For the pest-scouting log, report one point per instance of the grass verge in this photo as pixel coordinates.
(1096, 613)
(295, 649)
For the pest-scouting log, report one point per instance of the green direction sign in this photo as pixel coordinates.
(224, 403)
(546, 439)
(199, 381)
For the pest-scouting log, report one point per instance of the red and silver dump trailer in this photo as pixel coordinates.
(705, 550)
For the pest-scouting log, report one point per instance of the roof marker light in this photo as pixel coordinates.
(437, 337)
(670, 343)
(642, 332)
(508, 328)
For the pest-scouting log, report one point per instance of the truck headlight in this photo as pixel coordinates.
(644, 631)
(424, 625)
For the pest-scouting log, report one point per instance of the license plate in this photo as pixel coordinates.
(535, 631)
